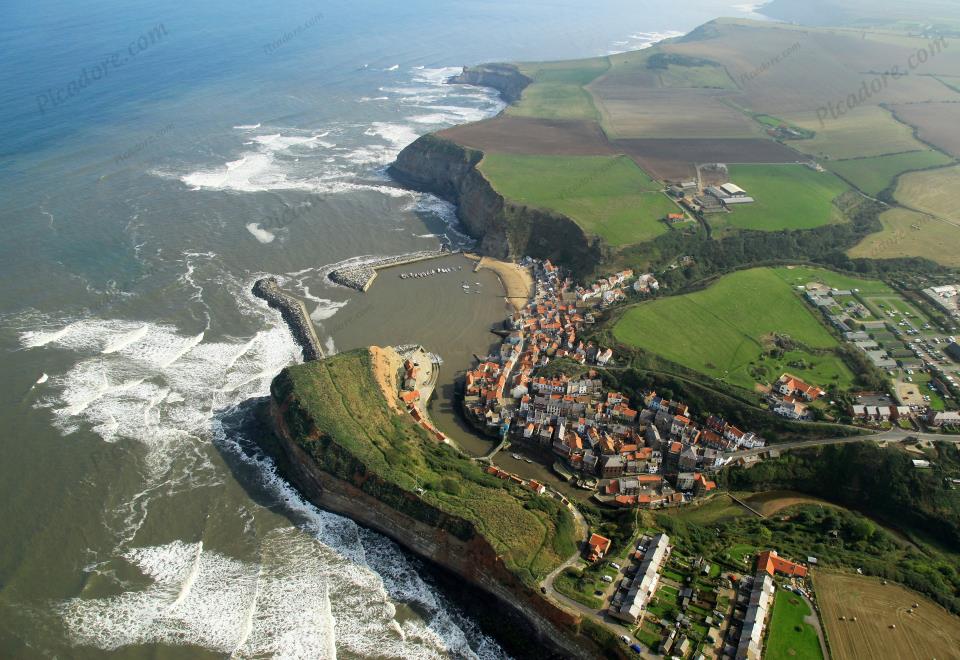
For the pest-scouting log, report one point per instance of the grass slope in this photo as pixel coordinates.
(933, 192)
(724, 330)
(339, 405)
(872, 175)
(787, 197)
(790, 636)
(557, 90)
(862, 132)
(606, 195)
(910, 234)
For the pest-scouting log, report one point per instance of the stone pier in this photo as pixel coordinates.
(361, 276)
(294, 313)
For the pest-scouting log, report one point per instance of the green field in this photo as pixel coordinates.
(725, 331)
(338, 414)
(872, 175)
(608, 196)
(787, 197)
(863, 132)
(790, 636)
(557, 90)
(800, 275)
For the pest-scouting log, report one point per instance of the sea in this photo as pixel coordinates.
(156, 158)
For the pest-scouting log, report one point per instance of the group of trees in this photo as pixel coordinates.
(881, 482)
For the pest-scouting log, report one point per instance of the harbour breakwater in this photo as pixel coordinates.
(361, 276)
(294, 313)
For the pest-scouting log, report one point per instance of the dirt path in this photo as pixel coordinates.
(386, 364)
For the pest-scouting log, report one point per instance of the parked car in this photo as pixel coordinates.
(615, 565)
(624, 639)
(607, 579)
(636, 648)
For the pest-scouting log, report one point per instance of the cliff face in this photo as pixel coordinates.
(505, 78)
(449, 541)
(505, 230)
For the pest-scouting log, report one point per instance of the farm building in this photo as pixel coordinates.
(733, 190)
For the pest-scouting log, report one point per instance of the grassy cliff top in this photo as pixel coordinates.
(340, 416)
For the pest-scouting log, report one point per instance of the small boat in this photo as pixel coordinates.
(516, 456)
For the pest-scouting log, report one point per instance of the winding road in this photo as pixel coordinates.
(893, 435)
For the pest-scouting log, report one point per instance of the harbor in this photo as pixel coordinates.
(361, 276)
(433, 312)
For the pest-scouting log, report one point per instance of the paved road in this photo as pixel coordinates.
(893, 435)
(599, 616)
(814, 620)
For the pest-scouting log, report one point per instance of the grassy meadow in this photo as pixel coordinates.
(725, 331)
(790, 636)
(862, 132)
(872, 175)
(341, 418)
(608, 196)
(787, 197)
(932, 191)
(801, 275)
(557, 91)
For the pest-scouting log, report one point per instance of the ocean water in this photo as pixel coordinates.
(155, 159)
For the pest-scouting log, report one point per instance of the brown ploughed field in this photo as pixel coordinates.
(522, 135)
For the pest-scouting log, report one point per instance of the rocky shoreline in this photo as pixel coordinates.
(361, 276)
(295, 315)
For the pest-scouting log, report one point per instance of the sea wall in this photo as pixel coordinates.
(504, 229)
(449, 541)
(505, 78)
(360, 277)
(295, 315)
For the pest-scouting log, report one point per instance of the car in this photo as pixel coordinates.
(597, 593)
(543, 590)
(615, 565)
(636, 648)
(624, 639)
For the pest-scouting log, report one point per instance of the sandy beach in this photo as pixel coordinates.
(517, 281)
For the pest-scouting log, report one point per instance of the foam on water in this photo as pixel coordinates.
(259, 233)
(315, 588)
(126, 339)
(454, 235)
(642, 40)
(294, 159)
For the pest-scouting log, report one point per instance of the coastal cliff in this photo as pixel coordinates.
(505, 78)
(363, 460)
(505, 230)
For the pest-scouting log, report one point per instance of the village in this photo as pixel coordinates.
(647, 454)
(544, 394)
